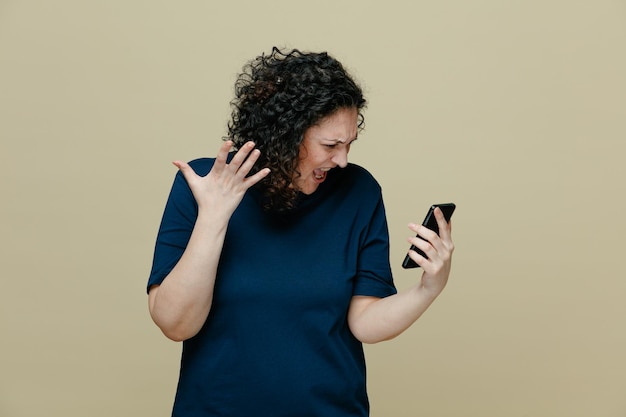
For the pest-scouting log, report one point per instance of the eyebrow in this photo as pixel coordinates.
(343, 141)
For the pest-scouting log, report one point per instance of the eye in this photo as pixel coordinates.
(331, 145)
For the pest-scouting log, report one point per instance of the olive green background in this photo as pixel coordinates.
(514, 110)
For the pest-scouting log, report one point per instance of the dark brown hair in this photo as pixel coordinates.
(277, 98)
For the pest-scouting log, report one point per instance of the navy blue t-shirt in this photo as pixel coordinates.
(276, 341)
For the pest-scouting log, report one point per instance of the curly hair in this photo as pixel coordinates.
(277, 98)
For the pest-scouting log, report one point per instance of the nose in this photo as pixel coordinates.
(340, 157)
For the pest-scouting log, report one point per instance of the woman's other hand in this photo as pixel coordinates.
(222, 189)
(438, 249)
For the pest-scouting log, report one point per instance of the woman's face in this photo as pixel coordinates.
(325, 146)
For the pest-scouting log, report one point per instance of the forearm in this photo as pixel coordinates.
(181, 304)
(374, 320)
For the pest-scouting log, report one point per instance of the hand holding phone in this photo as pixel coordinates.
(430, 222)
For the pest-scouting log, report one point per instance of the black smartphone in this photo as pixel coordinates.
(430, 222)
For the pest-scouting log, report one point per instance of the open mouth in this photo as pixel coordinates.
(320, 174)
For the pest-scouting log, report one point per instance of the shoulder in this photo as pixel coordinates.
(202, 166)
(360, 178)
(180, 188)
(359, 171)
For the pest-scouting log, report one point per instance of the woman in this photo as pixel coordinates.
(272, 260)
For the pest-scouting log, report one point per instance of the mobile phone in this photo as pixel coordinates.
(430, 222)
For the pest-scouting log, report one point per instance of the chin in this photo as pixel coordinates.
(309, 188)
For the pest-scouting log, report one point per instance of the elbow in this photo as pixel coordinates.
(174, 325)
(369, 335)
(176, 335)
(368, 328)
(367, 340)
(362, 336)
(175, 331)
(370, 331)
(372, 339)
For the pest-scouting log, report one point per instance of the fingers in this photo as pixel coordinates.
(424, 234)
(222, 157)
(241, 163)
(180, 164)
(444, 227)
(186, 170)
(247, 165)
(417, 257)
(253, 179)
(444, 244)
(433, 261)
(245, 153)
(237, 169)
(244, 168)
(438, 248)
(420, 242)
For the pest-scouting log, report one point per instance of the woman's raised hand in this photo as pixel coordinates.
(223, 188)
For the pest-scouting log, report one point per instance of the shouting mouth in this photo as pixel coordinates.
(320, 174)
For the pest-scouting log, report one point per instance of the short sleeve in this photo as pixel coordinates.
(374, 277)
(177, 223)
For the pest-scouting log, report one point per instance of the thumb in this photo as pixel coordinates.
(186, 170)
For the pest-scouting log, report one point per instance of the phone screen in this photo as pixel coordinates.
(430, 222)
